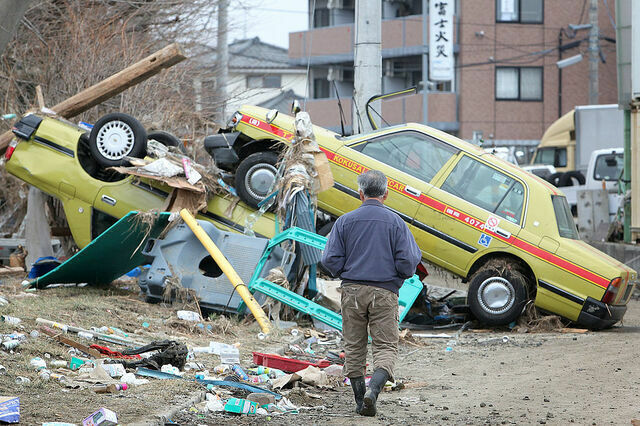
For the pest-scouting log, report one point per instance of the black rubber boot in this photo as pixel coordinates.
(379, 378)
(359, 389)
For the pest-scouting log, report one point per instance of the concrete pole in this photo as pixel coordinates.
(367, 62)
(627, 174)
(37, 230)
(594, 58)
(425, 63)
(223, 56)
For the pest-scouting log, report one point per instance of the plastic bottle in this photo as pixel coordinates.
(11, 320)
(3, 370)
(272, 372)
(22, 380)
(38, 363)
(44, 374)
(85, 335)
(58, 363)
(239, 372)
(10, 344)
(110, 388)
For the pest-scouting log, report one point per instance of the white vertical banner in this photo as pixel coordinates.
(441, 40)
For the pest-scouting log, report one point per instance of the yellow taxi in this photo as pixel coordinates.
(506, 232)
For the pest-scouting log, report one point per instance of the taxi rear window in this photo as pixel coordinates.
(564, 218)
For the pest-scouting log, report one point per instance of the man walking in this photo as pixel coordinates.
(373, 252)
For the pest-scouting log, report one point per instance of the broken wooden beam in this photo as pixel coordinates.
(111, 86)
(66, 341)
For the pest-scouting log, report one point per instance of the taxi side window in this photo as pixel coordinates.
(486, 187)
(411, 152)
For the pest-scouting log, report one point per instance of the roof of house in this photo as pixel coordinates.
(253, 53)
(282, 101)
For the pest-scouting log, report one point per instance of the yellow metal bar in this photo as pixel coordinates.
(228, 270)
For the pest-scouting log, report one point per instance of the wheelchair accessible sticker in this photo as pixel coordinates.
(485, 240)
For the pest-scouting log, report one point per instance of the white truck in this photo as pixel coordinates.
(599, 195)
(568, 143)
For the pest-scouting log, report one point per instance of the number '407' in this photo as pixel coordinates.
(473, 222)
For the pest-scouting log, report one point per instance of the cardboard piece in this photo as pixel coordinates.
(102, 417)
(310, 375)
(325, 177)
(9, 409)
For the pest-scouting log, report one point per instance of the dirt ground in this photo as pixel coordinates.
(531, 378)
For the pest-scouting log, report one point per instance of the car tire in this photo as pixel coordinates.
(115, 136)
(554, 178)
(167, 139)
(255, 175)
(570, 178)
(497, 294)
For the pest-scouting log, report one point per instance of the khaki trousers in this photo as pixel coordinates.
(376, 308)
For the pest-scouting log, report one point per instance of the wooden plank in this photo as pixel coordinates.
(64, 340)
(111, 86)
(573, 330)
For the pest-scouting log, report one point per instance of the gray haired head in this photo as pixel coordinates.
(372, 183)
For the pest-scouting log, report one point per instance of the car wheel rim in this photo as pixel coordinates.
(115, 140)
(259, 180)
(496, 295)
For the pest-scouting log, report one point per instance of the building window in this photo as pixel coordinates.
(320, 88)
(272, 81)
(519, 83)
(321, 18)
(520, 11)
(264, 82)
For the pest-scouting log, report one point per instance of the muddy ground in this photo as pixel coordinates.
(532, 378)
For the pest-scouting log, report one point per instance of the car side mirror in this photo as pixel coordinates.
(271, 115)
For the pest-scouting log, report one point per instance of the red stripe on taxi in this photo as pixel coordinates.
(264, 126)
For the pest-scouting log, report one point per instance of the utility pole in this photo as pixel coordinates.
(425, 64)
(223, 55)
(367, 61)
(594, 58)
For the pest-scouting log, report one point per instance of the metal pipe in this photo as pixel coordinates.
(228, 270)
(560, 74)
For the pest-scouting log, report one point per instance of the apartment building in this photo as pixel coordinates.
(506, 88)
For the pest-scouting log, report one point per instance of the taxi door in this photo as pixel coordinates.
(479, 208)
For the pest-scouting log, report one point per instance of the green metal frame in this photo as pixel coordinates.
(408, 292)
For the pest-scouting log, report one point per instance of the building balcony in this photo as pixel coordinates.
(330, 45)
